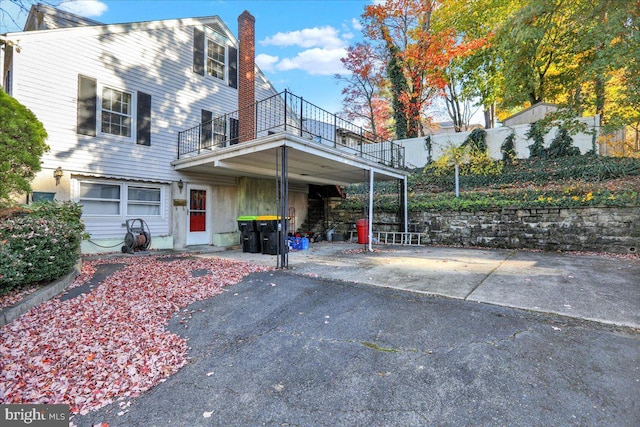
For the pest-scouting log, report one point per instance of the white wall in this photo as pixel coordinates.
(155, 58)
(157, 62)
(416, 152)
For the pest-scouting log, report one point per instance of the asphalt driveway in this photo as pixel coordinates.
(285, 349)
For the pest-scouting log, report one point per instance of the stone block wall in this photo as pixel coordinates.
(600, 229)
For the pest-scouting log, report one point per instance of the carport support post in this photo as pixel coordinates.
(370, 219)
(406, 205)
(284, 202)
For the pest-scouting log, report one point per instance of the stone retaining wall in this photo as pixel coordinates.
(614, 230)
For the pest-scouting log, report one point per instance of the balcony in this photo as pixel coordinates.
(288, 114)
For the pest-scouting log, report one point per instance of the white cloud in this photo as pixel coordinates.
(324, 37)
(356, 24)
(316, 51)
(316, 61)
(266, 62)
(87, 8)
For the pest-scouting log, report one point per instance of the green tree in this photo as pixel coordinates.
(478, 72)
(22, 144)
(581, 54)
(535, 43)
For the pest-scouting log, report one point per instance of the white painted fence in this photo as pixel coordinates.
(417, 156)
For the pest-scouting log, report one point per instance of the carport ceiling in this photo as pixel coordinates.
(308, 162)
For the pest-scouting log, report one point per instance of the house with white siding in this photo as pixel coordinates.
(160, 121)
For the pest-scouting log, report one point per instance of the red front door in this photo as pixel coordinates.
(197, 210)
(197, 217)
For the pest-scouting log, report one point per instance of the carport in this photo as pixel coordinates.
(292, 142)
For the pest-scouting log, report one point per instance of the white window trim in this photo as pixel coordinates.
(124, 197)
(210, 36)
(79, 198)
(134, 106)
(159, 203)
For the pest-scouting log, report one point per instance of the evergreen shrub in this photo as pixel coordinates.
(39, 245)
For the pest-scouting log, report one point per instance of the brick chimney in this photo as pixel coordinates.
(246, 76)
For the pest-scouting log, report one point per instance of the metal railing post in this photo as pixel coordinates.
(255, 121)
(285, 110)
(301, 113)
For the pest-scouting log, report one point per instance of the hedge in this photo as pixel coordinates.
(40, 244)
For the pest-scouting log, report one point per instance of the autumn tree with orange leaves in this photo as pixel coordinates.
(416, 57)
(363, 96)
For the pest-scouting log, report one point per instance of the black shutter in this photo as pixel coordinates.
(233, 67)
(143, 119)
(87, 104)
(198, 51)
(234, 131)
(206, 134)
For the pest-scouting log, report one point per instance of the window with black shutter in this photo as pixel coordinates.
(213, 57)
(143, 119)
(234, 131)
(206, 134)
(87, 105)
(233, 67)
(198, 51)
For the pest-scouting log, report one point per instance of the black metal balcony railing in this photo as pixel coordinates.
(286, 112)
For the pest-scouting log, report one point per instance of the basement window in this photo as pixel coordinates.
(120, 199)
(143, 201)
(99, 199)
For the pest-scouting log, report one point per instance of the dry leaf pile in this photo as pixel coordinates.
(16, 295)
(111, 342)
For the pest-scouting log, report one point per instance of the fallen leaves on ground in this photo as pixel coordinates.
(362, 251)
(111, 342)
(15, 295)
(630, 256)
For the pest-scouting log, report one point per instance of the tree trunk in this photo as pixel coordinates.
(600, 97)
(490, 116)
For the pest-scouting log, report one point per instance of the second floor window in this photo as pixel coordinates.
(215, 59)
(116, 112)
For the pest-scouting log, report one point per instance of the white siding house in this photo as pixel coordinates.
(113, 99)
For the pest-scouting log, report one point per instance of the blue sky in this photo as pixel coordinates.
(299, 43)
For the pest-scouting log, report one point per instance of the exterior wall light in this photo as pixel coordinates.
(57, 174)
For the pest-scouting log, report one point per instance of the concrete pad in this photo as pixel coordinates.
(597, 288)
(589, 287)
(453, 273)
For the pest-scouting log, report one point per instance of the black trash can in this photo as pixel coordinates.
(249, 234)
(270, 234)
